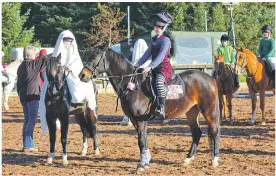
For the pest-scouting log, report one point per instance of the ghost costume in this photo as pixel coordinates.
(79, 90)
(140, 47)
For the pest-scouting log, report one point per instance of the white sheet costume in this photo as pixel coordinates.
(79, 90)
(139, 49)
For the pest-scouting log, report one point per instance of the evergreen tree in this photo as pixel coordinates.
(13, 32)
(105, 26)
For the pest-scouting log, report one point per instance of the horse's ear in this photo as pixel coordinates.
(105, 47)
(59, 58)
(242, 49)
(102, 46)
(237, 48)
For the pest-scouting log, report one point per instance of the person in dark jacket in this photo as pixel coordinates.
(28, 89)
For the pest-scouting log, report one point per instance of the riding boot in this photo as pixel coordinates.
(160, 109)
(213, 73)
(236, 80)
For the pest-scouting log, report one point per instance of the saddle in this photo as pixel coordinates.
(75, 108)
(175, 89)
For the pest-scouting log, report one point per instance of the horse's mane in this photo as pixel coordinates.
(120, 62)
(52, 65)
(248, 53)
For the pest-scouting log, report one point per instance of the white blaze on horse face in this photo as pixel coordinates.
(55, 90)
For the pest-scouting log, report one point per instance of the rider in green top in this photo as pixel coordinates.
(266, 49)
(229, 56)
(226, 50)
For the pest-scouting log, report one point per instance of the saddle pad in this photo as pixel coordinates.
(174, 92)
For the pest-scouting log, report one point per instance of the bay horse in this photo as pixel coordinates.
(57, 101)
(225, 83)
(200, 96)
(11, 69)
(257, 79)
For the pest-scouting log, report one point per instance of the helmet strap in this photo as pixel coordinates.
(163, 30)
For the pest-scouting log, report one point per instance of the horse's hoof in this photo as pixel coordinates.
(147, 166)
(140, 168)
(189, 160)
(6, 108)
(49, 160)
(252, 122)
(129, 124)
(64, 160)
(97, 152)
(215, 162)
(166, 121)
(83, 153)
(65, 163)
(263, 123)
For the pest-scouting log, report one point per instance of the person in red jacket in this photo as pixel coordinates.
(42, 52)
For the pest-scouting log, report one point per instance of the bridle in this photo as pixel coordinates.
(61, 83)
(93, 69)
(250, 77)
(103, 59)
(243, 67)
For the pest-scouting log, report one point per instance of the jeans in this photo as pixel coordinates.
(30, 110)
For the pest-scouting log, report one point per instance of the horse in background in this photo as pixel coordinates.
(257, 79)
(57, 101)
(11, 69)
(225, 83)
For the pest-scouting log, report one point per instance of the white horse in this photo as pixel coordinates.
(11, 69)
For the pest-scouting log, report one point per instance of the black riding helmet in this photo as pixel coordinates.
(161, 19)
(267, 28)
(224, 38)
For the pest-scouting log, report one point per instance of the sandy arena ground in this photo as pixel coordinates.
(245, 149)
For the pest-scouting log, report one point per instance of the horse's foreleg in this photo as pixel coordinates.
(64, 131)
(143, 145)
(253, 102)
(192, 116)
(91, 117)
(51, 122)
(211, 116)
(95, 140)
(6, 99)
(84, 140)
(229, 105)
(221, 105)
(262, 105)
(224, 106)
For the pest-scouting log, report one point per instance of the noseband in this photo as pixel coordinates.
(93, 69)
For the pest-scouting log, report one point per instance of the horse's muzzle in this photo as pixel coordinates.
(85, 75)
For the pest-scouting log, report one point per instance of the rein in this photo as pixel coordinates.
(120, 93)
(63, 82)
